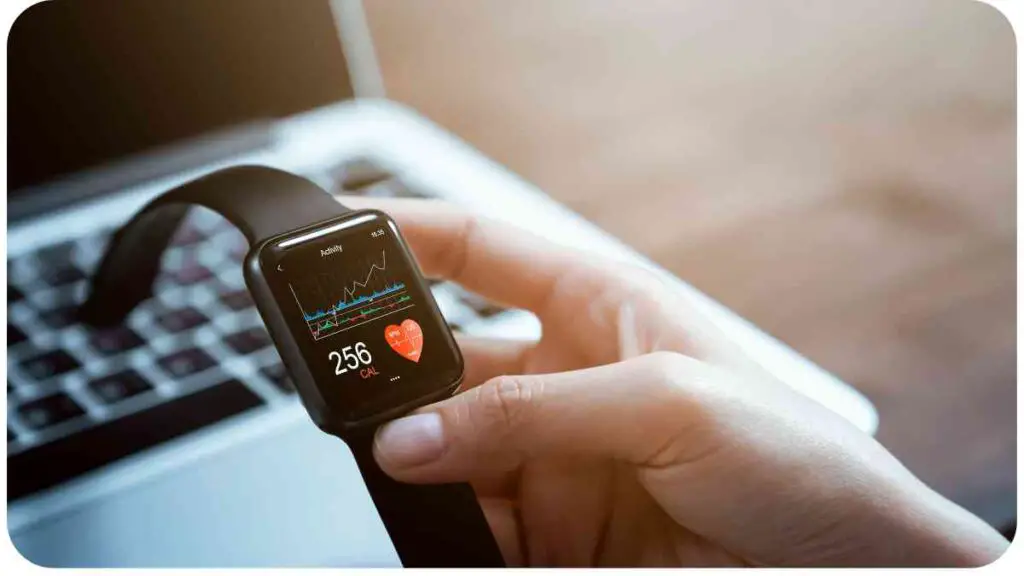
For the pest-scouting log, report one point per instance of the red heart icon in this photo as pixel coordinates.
(406, 339)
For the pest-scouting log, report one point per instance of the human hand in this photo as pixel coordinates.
(635, 433)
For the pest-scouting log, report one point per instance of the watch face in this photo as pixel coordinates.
(367, 326)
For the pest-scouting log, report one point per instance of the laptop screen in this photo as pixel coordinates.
(94, 81)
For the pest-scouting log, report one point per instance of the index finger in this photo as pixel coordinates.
(492, 258)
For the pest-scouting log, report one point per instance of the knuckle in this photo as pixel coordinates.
(681, 420)
(458, 258)
(447, 257)
(680, 376)
(510, 400)
(670, 368)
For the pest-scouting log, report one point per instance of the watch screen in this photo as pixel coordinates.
(357, 307)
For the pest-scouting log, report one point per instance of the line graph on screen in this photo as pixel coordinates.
(345, 302)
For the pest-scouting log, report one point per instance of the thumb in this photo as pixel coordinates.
(633, 411)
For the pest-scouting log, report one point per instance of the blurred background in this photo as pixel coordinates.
(840, 173)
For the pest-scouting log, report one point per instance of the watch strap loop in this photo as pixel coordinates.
(260, 201)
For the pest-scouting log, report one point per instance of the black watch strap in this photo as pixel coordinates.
(430, 525)
(261, 201)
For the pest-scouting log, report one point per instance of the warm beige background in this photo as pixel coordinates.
(841, 173)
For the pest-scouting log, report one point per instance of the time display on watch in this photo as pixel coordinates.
(368, 328)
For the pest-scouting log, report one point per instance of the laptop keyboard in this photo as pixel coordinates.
(193, 355)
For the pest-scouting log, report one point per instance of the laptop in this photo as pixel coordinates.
(176, 439)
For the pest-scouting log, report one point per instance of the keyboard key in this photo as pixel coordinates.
(186, 362)
(249, 340)
(279, 377)
(15, 336)
(57, 254)
(486, 310)
(358, 173)
(52, 409)
(482, 306)
(192, 273)
(237, 253)
(49, 364)
(59, 275)
(110, 341)
(117, 387)
(52, 463)
(188, 235)
(237, 299)
(14, 295)
(61, 317)
(181, 319)
(393, 188)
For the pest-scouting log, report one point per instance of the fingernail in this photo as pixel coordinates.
(411, 441)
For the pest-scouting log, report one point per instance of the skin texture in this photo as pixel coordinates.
(634, 433)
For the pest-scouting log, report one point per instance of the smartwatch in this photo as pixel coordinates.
(352, 318)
